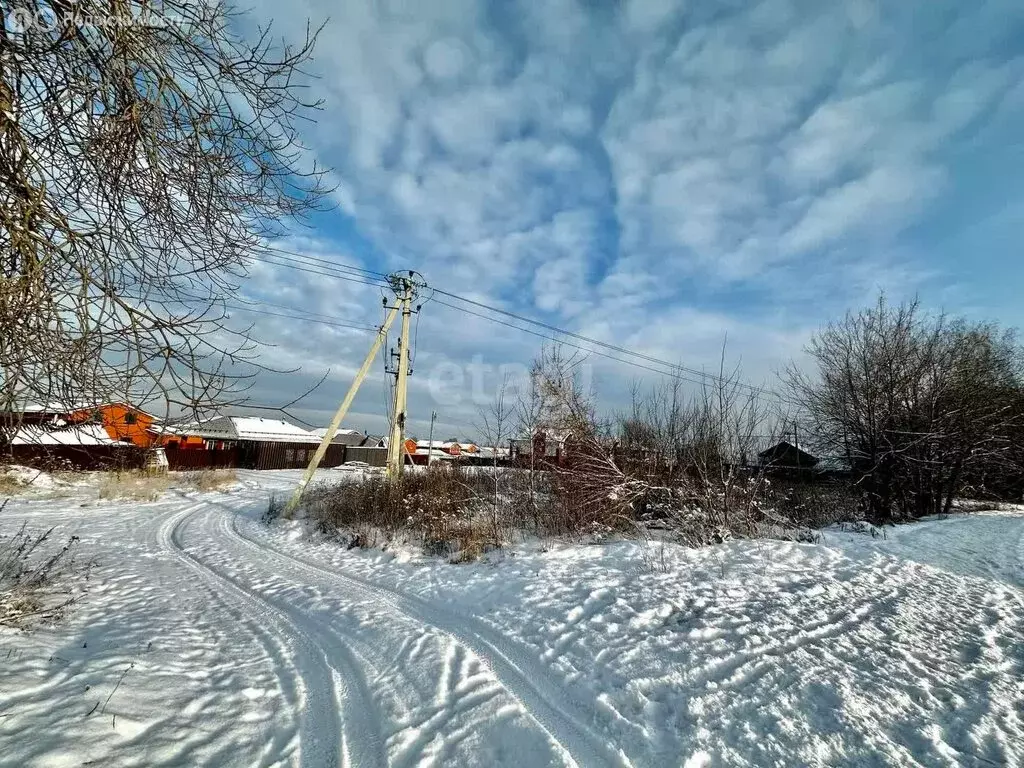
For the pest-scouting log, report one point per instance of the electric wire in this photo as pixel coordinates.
(325, 262)
(329, 269)
(296, 316)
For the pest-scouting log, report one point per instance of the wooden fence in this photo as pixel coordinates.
(71, 457)
(184, 459)
(290, 456)
(375, 457)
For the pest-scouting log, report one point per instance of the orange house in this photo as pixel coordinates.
(124, 423)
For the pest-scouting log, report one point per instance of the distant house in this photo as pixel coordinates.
(77, 446)
(124, 423)
(451, 450)
(544, 444)
(343, 436)
(28, 414)
(74, 434)
(249, 442)
(785, 455)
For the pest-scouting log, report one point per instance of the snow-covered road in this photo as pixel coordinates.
(207, 638)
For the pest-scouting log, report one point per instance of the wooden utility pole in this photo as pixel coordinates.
(340, 414)
(406, 287)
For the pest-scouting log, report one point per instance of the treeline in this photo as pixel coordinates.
(906, 410)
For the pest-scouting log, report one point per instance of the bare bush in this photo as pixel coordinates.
(37, 577)
(438, 507)
(675, 461)
(11, 484)
(134, 485)
(815, 504)
(210, 479)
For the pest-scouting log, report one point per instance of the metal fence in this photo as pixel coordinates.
(178, 458)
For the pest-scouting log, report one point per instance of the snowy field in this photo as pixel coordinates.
(207, 638)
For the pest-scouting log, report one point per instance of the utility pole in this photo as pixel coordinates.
(340, 414)
(430, 440)
(406, 288)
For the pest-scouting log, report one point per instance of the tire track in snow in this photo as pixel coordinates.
(274, 646)
(562, 716)
(337, 726)
(291, 690)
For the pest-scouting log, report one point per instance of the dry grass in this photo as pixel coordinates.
(210, 479)
(137, 485)
(38, 577)
(439, 507)
(9, 485)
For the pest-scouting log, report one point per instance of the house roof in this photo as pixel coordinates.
(255, 428)
(342, 436)
(81, 434)
(273, 430)
(59, 408)
(787, 447)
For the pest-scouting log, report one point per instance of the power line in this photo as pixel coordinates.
(704, 375)
(677, 370)
(632, 363)
(264, 302)
(325, 262)
(302, 267)
(333, 323)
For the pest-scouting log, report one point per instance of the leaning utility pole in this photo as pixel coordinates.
(340, 414)
(405, 290)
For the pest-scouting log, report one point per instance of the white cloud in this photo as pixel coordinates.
(885, 197)
(606, 167)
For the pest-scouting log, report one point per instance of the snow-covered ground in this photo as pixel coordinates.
(207, 638)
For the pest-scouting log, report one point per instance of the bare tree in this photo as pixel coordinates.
(495, 427)
(695, 453)
(914, 402)
(145, 152)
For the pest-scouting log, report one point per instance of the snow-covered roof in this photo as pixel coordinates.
(255, 428)
(72, 407)
(342, 436)
(443, 444)
(275, 430)
(82, 434)
(321, 431)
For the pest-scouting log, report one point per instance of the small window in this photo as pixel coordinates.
(130, 418)
(289, 455)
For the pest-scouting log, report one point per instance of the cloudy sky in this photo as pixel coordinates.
(660, 175)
